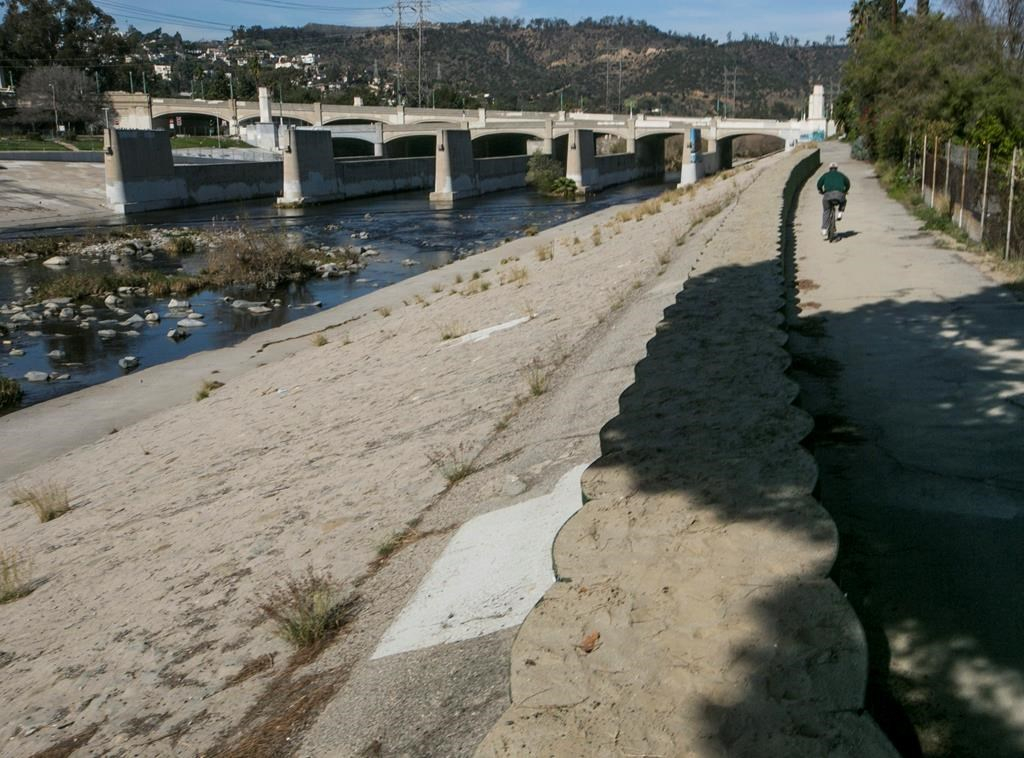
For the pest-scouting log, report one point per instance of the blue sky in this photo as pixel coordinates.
(806, 19)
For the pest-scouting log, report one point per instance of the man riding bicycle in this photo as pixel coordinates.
(833, 186)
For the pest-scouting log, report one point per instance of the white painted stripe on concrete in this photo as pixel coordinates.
(494, 570)
(482, 334)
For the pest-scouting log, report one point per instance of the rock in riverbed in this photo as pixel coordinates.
(128, 362)
(37, 376)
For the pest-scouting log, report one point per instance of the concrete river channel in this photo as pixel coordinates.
(402, 228)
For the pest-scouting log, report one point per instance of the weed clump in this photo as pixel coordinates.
(309, 609)
(451, 330)
(10, 393)
(453, 463)
(208, 386)
(14, 573)
(536, 378)
(48, 500)
(319, 340)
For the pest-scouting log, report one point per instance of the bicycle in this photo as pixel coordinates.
(832, 210)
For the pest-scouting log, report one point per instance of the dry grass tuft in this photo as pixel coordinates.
(454, 463)
(452, 329)
(516, 275)
(208, 386)
(545, 252)
(14, 576)
(384, 311)
(308, 610)
(536, 378)
(48, 500)
(319, 340)
(595, 236)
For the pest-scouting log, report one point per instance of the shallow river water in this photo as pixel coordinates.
(399, 227)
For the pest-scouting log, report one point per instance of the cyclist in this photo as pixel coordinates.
(832, 186)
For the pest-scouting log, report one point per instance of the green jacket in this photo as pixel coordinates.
(833, 181)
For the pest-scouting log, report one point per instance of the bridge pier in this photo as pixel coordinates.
(579, 163)
(455, 172)
(309, 172)
(139, 170)
(692, 169)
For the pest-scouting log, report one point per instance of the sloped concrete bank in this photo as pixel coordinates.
(694, 616)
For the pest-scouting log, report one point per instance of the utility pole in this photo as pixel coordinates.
(131, 83)
(419, 54)
(608, 86)
(56, 122)
(619, 108)
(398, 51)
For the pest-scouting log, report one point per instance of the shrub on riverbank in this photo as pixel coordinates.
(10, 393)
(265, 259)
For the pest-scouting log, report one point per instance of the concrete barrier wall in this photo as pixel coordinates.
(382, 175)
(223, 182)
(56, 156)
(225, 154)
(496, 174)
(618, 169)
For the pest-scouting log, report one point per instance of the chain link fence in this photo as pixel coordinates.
(975, 187)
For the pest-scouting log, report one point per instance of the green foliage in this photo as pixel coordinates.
(542, 171)
(934, 75)
(563, 186)
(10, 393)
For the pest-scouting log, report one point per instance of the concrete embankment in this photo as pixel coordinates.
(694, 615)
(146, 635)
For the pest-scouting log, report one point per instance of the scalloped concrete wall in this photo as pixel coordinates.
(694, 616)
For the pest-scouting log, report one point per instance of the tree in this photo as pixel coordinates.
(56, 32)
(58, 93)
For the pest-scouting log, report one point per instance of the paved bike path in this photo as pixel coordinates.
(912, 361)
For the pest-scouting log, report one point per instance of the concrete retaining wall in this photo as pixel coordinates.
(618, 169)
(227, 154)
(57, 156)
(381, 175)
(700, 544)
(224, 182)
(496, 174)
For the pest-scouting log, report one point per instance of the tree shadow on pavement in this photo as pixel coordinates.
(921, 457)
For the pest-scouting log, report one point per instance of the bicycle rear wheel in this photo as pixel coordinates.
(832, 222)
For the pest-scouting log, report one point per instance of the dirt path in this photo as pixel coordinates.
(911, 360)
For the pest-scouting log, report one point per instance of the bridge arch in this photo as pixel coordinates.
(342, 121)
(410, 145)
(499, 144)
(287, 121)
(197, 122)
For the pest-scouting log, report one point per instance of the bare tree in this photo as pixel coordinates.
(58, 94)
(922, 7)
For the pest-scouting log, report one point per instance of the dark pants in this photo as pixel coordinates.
(827, 199)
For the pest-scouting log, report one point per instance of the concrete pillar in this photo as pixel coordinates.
(692, 169)
(309, 173)
(631, 135)
(580, 165)
(233, 129)
(816, 103)
(318, 119)
(139, 171)
(400, 114)
(455, 169)
(378, 149)
(481, 114)
(265, 115)
(548, 143)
